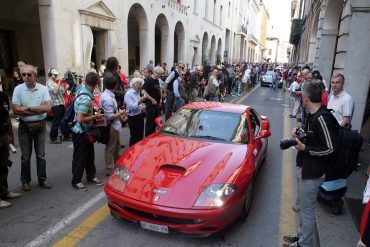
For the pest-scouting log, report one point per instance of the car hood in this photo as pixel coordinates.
(173, 172)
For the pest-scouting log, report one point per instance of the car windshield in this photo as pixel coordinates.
(209, 125)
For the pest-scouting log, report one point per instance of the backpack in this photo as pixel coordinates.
(67, 122)
(345, 158)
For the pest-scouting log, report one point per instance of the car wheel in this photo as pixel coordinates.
(248, 201)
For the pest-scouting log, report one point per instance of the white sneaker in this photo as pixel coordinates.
(80, 186)
(4, 204)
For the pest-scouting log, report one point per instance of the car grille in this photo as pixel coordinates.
(160, 217)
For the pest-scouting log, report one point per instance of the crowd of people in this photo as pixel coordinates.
(155, 90)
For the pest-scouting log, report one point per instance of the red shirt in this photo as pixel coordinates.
(123, 79)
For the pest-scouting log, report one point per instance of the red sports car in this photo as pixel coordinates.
(196, 174)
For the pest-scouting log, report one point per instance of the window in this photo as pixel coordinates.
(220, 23)
(270, 52)
(195, 5)
(214, 11)
(206, 10)
(255, 122)
(228, 10)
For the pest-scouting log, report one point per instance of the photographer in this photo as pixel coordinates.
(6, 137)
(314, 155)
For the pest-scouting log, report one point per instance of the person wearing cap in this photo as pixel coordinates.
(56, 91)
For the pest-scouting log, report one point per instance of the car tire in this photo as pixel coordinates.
(248, 201)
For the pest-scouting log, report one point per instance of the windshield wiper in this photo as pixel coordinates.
(208, 137)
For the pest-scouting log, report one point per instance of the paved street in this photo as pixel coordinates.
(84, 216)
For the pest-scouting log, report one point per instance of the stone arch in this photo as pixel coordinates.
(137, 37)
(329, 36)
(219, 51)
(213, 51)
(312, 40)
(205, 49)
(161, 39)
(179, 42)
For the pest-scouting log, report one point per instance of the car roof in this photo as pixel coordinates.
(218, 106)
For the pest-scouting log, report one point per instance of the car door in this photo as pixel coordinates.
(257, 145)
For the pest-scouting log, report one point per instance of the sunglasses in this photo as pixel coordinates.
(26, 74)
(181, 67)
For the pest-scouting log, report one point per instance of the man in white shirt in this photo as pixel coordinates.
(342, 105)
(293, 94)
(340, 101)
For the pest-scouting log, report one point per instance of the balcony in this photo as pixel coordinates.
(296, 31)
(177, 6)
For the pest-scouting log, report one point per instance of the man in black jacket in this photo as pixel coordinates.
(109, 72)
(314, 155)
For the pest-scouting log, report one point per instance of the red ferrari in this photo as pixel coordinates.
(196, 174)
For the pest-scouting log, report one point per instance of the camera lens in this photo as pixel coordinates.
(287, 143)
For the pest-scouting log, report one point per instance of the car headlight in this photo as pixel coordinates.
(215, 195)
(119, 178)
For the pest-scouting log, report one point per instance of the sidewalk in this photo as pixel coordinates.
(343, 230)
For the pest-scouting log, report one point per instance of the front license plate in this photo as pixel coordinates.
(154, 227)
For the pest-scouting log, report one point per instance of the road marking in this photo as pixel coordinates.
(79, 232)
(49, 234)
(287, 218)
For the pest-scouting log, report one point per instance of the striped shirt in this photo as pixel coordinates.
(56, 99)
(83, 104)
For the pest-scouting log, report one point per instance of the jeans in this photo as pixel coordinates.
(152, 112)
(83, 158)
(25, 141)
(4, 155)
(213, 98)
(308, 190)
(170, 101)
(239, 86)
(136, 126)
(58, 113)
(179, 102)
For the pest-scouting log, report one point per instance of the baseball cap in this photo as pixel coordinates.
(53, 71)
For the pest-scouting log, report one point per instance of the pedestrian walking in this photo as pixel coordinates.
(31, 102)
(6, 138)
(83, 147)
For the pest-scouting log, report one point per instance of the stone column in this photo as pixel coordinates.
(327, 52)
(87, 44)
(48, 34)
(356, 69)
(145, 53)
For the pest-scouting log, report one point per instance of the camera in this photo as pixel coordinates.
(289, 142)
(9, 163)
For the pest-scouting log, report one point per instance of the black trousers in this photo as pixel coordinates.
(83, 158)
(58, 113)
(152, 112)
(136, 126)
(4, 155)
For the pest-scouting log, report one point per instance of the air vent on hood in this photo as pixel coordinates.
(173, 167)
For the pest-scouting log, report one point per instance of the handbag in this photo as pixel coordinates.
(35, 126)
(104, 133)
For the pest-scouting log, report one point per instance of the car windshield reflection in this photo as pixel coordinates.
(207, 125)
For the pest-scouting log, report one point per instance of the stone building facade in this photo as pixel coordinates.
(69, 34)
(333, 36)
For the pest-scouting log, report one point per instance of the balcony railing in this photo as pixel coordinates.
(296, 31)
(177, 6)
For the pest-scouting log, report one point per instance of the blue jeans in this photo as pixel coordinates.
(25, 142)
(179, 102)
(170, 100)
(239, 86)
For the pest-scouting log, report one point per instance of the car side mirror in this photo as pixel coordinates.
(159, 122)
(263, 134)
